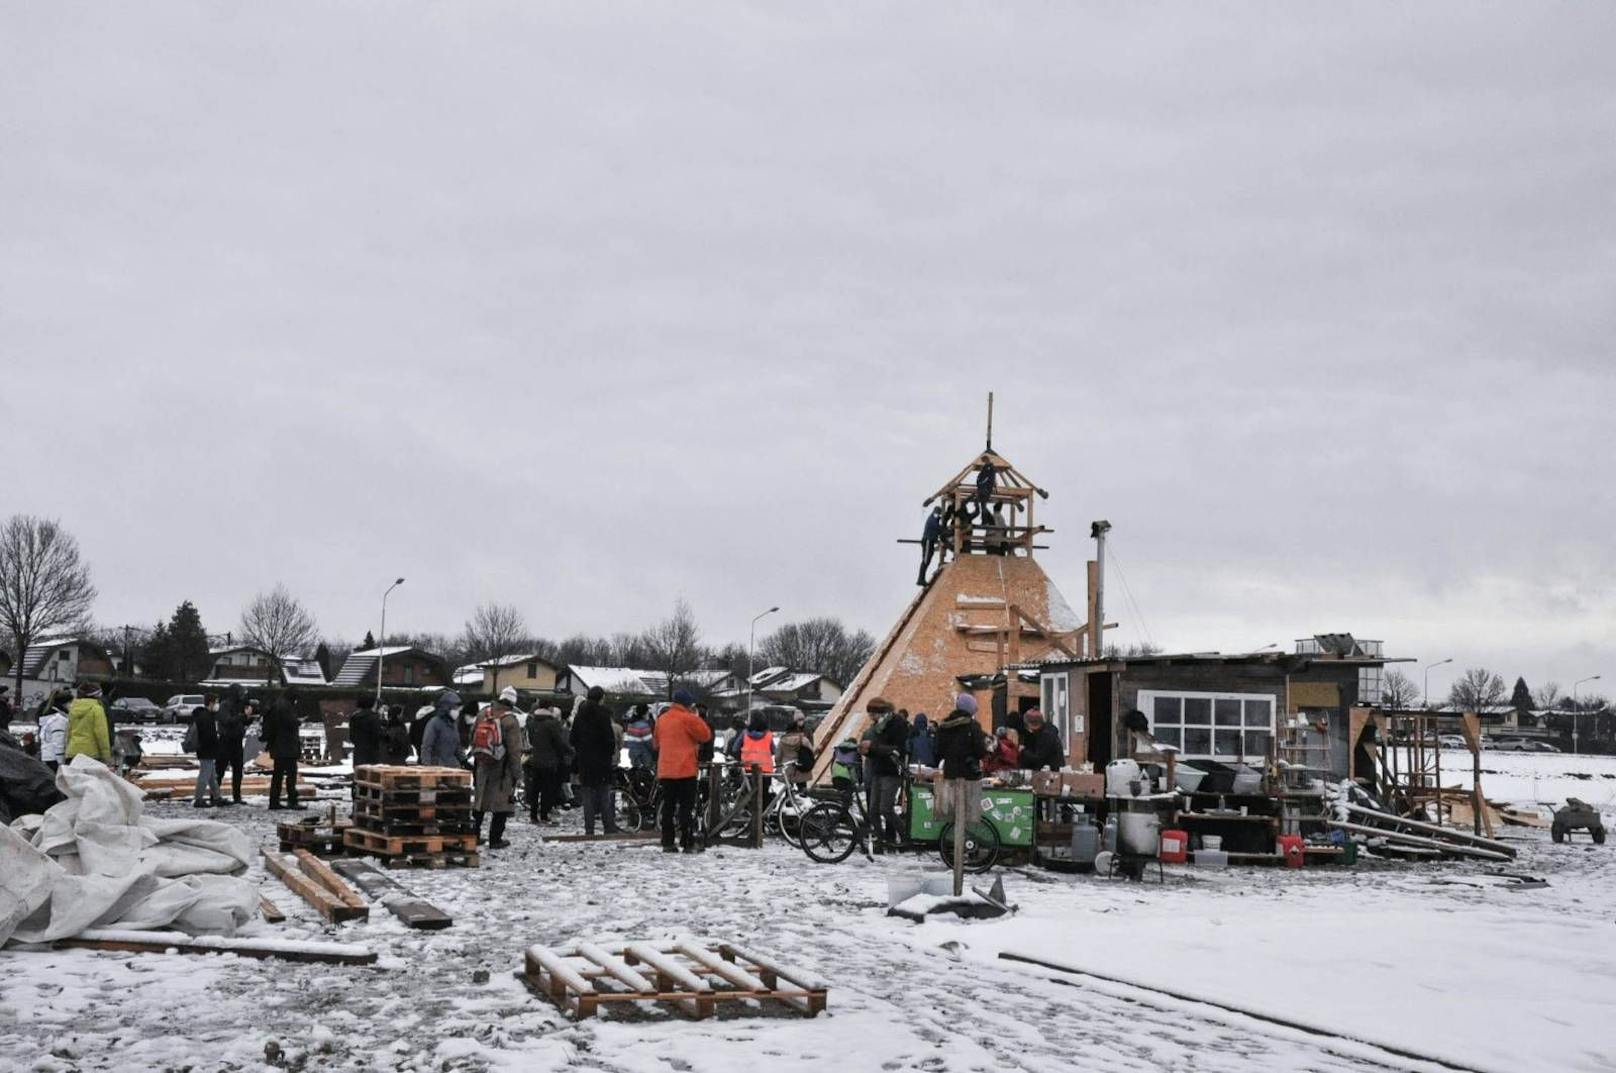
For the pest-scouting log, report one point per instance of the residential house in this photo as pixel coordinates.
(403, 667)
(66, 659)
(249, 665)
(807, 691)
(525, 672)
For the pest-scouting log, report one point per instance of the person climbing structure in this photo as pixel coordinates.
(929, 540)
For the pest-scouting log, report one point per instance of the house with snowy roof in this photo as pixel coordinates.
(65, 659)
(630, 685)
(249, 665)
(402, 667)
(524, 671)
(808, 691)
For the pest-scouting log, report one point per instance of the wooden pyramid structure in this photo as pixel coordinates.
(988, 608)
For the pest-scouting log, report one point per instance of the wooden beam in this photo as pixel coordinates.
(270, 910)
(161, 942)
(324, 902)
(321, 873)
(393, 896)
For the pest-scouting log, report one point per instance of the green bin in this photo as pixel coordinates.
(1012, 813)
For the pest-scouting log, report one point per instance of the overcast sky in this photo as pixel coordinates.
(590, 307)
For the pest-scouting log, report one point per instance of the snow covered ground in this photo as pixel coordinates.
(1439, 960)
(1539, 778)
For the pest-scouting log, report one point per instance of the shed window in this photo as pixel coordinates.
(1230, 727)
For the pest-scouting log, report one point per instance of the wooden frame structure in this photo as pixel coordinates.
(692, 976)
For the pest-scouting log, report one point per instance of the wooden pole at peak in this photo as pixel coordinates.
(990, 420)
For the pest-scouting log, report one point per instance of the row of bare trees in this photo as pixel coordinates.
(1478, 689)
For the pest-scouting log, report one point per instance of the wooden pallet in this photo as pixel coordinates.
(433, 860)
(385, 845)
(456, 797)
(320, 835)
(457, 823)
(399, 777)
(385, 806)
(690, 975)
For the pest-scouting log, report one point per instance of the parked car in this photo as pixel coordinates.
(135, 710)
(1538, 747)
(1451, 741)
(180, 706)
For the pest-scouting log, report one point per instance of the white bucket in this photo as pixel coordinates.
(1212, 842)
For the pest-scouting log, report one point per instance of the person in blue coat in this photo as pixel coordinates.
(923, 743)
(440, 742)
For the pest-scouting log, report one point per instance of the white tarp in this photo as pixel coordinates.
(95, 861)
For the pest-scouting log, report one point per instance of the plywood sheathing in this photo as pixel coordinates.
(979, 613)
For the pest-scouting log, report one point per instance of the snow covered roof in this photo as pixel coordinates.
(793, 681)
(620, 680)
(469, 675)
(34, 658)
(705, 678)
(361, 665)
(511, 661)
(768, 674)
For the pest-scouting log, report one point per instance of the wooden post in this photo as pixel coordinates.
(957, 788)
(757, 807)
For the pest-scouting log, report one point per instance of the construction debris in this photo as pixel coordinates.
(692, 976)
(415, 816)
(320, 835)
(329, 905)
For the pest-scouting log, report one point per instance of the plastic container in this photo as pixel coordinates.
(1175, 847)
(1211, 841)
(1246, 781)
(1292, 847)
(1109, 839)
(1188, 778)
(1085, 843)
(1211, 858)
(1119, 774)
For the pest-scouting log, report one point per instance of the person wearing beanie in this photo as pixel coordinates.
(961, 745)
(678, 737)
(889, 738)
(88, 733)
(594, 744)
(1040, 744)
(53, 736)
(547, 758)
(496, 752)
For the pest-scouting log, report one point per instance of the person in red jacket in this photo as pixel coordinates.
(679, 736)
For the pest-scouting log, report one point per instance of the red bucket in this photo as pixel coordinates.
(1291, 847)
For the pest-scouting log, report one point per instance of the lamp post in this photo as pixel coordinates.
(751, 639)
(381, 642)
(1576, 709)
(1425, 695)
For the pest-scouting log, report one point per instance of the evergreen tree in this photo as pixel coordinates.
(368, 643)
(1521, 699)
(188, 645)
(157, 657)
(322, 656)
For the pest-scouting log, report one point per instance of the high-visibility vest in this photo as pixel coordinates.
(758, 752)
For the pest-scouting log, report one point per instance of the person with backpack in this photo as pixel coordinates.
(205, 727)
(637, 736)
(594, 743)
(846, 767)
(797, 748)
(679, 734)
(496, 763)
(440, 741)
(886, 760)
(961, 745)
(548, 756)
(395, 744)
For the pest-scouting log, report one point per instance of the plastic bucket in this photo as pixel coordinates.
(1175, 847)
(1212, 842)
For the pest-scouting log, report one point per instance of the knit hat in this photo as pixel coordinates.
(965, 703)
(89, 689)
(507, 696)
(683, 696)
(879, 704)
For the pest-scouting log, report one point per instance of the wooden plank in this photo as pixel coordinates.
(404, 845)
(1446, 833)
(394, 896)
(1455, 848)
(159, 942)
(270, 910)
(805, 980)
(324, 903)
(321, 873)
(616, 968)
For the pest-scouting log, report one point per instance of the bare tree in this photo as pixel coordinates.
(494, 632)
(1476, 690)
(44, 586)
(674, 644)
(1399, 692)
(1547, 696)
(821, 645)
(277, 623)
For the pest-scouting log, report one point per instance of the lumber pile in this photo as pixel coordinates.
(688, 975)
(167, 942)
(312, 880)
(320, 835)
(1416, 837)
(162, 788)
(413, 816)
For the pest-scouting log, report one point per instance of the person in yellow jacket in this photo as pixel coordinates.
(87, 730)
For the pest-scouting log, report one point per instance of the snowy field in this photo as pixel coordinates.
(1539, 778)
(1439, 960)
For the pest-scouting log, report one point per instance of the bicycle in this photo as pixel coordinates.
(830, 831)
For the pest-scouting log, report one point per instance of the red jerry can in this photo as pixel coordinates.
(1291, 847)
(1175, 847)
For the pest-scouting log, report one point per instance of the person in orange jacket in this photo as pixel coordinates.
(679, 736)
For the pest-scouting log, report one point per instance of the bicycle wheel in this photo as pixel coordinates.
(981, 846)
(828, 833)
(787, 823)
(627, 814)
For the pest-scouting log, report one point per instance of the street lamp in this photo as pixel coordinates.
(751, 638)
(1576, 708)
(1425, 696)
(381, 643)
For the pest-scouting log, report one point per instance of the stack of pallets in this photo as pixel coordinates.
(321, 835)
(413, 817)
